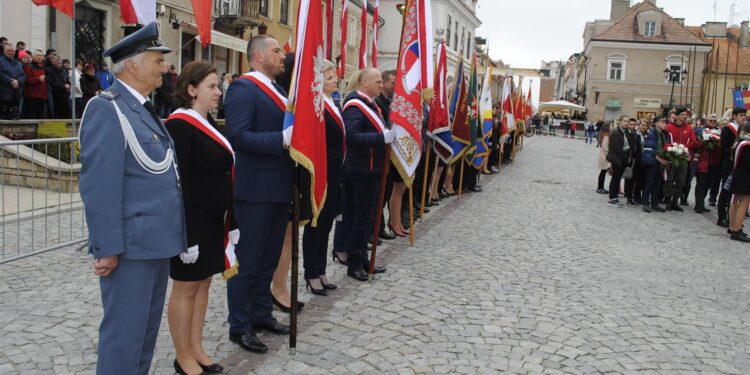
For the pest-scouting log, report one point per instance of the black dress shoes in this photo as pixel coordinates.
(286, 309)
(358, 274)
(474, 189)
(273, 326)
(378, 269)
(724, 223)
(178, 369)
(385, 235)
(249, 341)
(212, 369)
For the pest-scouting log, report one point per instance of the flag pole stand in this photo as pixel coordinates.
(461, 178)
(424, 181)
(411, 217)
(295, 266)
(379, 212)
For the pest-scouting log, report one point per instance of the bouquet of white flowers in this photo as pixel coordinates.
(675, 153)
(711, 139)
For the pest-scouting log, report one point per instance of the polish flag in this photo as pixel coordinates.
(363, 40)
(344, 31)
(374, 52)
(138, 11)
(202, 11)
(288, 45)
(65, 6)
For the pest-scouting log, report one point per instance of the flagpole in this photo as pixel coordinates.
(74, 84)
(411, 217)
(379, 213)
(461, 178)
(424, 182)
(295, 265)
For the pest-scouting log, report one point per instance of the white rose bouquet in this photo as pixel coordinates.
(675, 153)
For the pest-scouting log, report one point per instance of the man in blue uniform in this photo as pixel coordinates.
(130, 187)
(254, 108)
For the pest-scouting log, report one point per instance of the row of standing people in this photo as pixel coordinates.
(635, 151)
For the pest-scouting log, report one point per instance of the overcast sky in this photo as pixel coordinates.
(523, 33)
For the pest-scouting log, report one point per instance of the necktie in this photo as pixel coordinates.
(150, 107)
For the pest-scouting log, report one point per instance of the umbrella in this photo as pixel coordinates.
(560, 105)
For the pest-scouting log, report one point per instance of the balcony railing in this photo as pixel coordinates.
(237, 12)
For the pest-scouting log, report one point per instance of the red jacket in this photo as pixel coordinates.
(683, 135)
(34, 87)
(708, 158)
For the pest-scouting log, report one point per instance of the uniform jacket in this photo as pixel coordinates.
(10, 69)
(34, 88)
(365, 145)
(130, 212)
(263, 168)
(205, 172)
(652, 144)
(727, 141)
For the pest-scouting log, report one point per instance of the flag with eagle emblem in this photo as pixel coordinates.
(308, 144)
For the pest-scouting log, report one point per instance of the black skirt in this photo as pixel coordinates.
(209, 227)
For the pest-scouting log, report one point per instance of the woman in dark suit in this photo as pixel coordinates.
(205, 159)
(315, 239)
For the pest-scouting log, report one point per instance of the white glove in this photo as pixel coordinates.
(234, 236)
(190, 256)
(389, 136)
(287, 133)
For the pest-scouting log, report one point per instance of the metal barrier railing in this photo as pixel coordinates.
(40, 208)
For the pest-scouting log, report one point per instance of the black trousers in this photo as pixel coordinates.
(714, 182)
(692, 168)
(630, 191)
(362, 193)
(652, 185)
(614, 183)
(315, 246)
(600, 180)
(675, 183)
(722, 207)
(33, 108)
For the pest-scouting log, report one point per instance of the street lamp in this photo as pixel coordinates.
(674, 76)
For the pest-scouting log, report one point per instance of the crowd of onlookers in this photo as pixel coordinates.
(659, 159)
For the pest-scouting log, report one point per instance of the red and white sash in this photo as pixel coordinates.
(734, 128)
(373, 116)
(738, 151)
(199, 122)
(333, 110)
(266, 85)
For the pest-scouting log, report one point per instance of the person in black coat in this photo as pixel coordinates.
(58, 80)
(89, 84)
(205, 160)
(366, 139)
(315, 239)
(164, 101)
(729, 134)
(632, 194)
(619, 156)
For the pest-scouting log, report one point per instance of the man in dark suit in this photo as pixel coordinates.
(254, 108)
(131, 191)
(366, 139)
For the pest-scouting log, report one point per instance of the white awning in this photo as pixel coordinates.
(220, 39)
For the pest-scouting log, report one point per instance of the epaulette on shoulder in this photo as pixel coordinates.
(109, 95)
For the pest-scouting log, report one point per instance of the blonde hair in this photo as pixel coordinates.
(354, 81)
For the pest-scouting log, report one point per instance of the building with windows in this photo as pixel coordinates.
(640, 62)
(454, 21)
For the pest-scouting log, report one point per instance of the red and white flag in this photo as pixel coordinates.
(202, 11)
(344, 35)
(288, 45)
(425, 46)
(65, 6)
(438, 125)
(509, 121)
(307, 103)
(363, 39)
(406, 107)
(138, 11)
(328, 42)
(374, 51)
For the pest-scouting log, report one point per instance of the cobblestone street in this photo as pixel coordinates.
(536, 274)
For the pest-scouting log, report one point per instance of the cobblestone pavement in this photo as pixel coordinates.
(534, 275)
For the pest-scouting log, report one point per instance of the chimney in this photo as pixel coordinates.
(743, 33)
(619, 9)
(716, 30)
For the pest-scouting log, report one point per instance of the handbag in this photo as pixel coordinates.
(628, 172)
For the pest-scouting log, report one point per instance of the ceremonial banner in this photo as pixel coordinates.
(473, 110)
(202, 11)
(438, 124)
(65, 6)
(425, 46)
(138, 11)
(344, 31)
(509, 120)
(529, 107)
(374, 51)
(363, 39)
(406, 107)
(459, 114)
(485, 113)
(306, 102)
